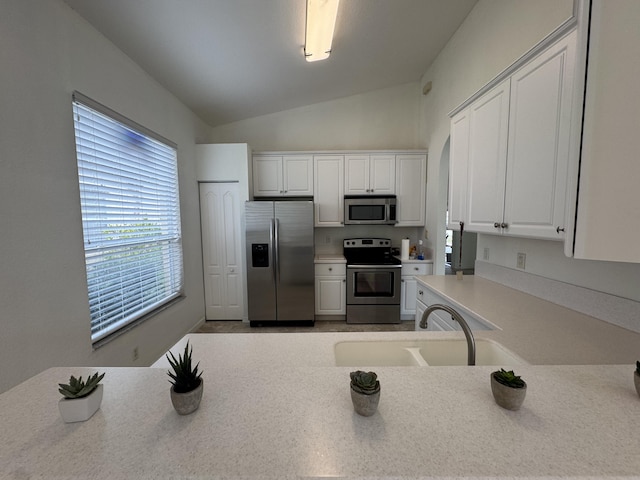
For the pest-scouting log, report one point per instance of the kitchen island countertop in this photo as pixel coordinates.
(276, 407)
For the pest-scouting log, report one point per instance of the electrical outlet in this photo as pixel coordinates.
(485, 255)
(327, 239)
(522, 258)
(135, 354)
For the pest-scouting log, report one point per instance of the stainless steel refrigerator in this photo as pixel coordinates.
(280, 267)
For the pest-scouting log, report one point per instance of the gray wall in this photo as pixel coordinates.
(47, 52)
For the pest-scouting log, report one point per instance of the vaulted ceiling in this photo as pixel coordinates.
(230, 60)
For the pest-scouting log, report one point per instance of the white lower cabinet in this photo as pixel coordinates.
(409, 287)
(439, 320)
(331, 289)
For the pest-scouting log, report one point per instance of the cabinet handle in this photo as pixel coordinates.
(504, 225)
(402, 280)
(496, 225)
(558, 230)
(344, 280)
(420, 292)
(416, 268)
(330, 269)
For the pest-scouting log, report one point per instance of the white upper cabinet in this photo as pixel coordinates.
(282, 175)
(488, 130)
(458, 162)
(610, 164)
(510, 147)
(328, 196)
(411, 180)
(370, 174)
(539, 134)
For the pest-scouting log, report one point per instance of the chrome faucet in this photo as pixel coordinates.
(471, 344)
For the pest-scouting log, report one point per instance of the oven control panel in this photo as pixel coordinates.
(366, 242)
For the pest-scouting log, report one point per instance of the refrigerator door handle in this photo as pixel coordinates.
(276, 251)
(272, 229)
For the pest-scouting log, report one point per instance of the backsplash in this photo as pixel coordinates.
(609, 308)
(329, 240)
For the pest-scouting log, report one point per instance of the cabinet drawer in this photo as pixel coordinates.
(415, 269)
(330, 269)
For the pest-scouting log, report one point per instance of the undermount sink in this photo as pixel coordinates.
(421, 353)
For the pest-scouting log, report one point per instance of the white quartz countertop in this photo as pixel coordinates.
(541, 332)
(330, 258)
(275, 406)
(298, 422)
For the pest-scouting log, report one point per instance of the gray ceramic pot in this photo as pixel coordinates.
(507, 397)
(636, 381)
(365, 405)
(186, 403)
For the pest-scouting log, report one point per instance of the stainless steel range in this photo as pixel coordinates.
(373, 281)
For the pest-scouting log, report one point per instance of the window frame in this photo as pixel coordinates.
(144, 241)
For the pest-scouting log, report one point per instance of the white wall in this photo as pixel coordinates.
(47, 52)
(383, 119)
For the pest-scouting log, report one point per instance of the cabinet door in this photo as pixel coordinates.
(222, 253)
(538, 153)
(356, 175)
(488, 128)
(607, 224)
(408, 295)
(328, 196)
(330, 295)
(382, 174)
(458, 161)
(267, 176)
(297, 171)
(411, 181)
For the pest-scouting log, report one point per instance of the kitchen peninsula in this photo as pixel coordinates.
(276, 407)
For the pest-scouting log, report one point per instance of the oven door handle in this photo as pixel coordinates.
(373, 267)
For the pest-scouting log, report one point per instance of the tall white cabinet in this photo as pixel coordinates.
(510, 150)
(411, 180)
(328, 196)
(220, 211)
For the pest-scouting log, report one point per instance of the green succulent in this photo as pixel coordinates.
(365, 382)
(508, 378)
(77, 388)
(184, 378)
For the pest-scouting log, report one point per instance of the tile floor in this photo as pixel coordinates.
(236, 326)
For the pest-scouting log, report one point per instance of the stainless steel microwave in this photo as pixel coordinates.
(370, 210)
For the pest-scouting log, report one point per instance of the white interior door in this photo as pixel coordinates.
(222, 251)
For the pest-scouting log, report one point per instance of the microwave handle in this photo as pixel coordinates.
(391, 212)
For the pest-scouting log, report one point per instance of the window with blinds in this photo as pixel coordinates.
(130, 216)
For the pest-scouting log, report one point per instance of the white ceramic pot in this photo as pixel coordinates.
(81, 409)
(507, 397)
(365, 405)
(186, 403)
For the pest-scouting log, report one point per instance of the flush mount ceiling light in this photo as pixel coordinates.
(321, 20)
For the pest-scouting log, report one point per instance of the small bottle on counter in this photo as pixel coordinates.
(420, 251)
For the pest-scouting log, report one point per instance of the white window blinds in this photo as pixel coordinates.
(130, 216)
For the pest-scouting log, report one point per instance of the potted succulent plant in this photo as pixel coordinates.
(187, 384)
(81, 399)
(365, 392)
(636, 378)
(508, 389)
